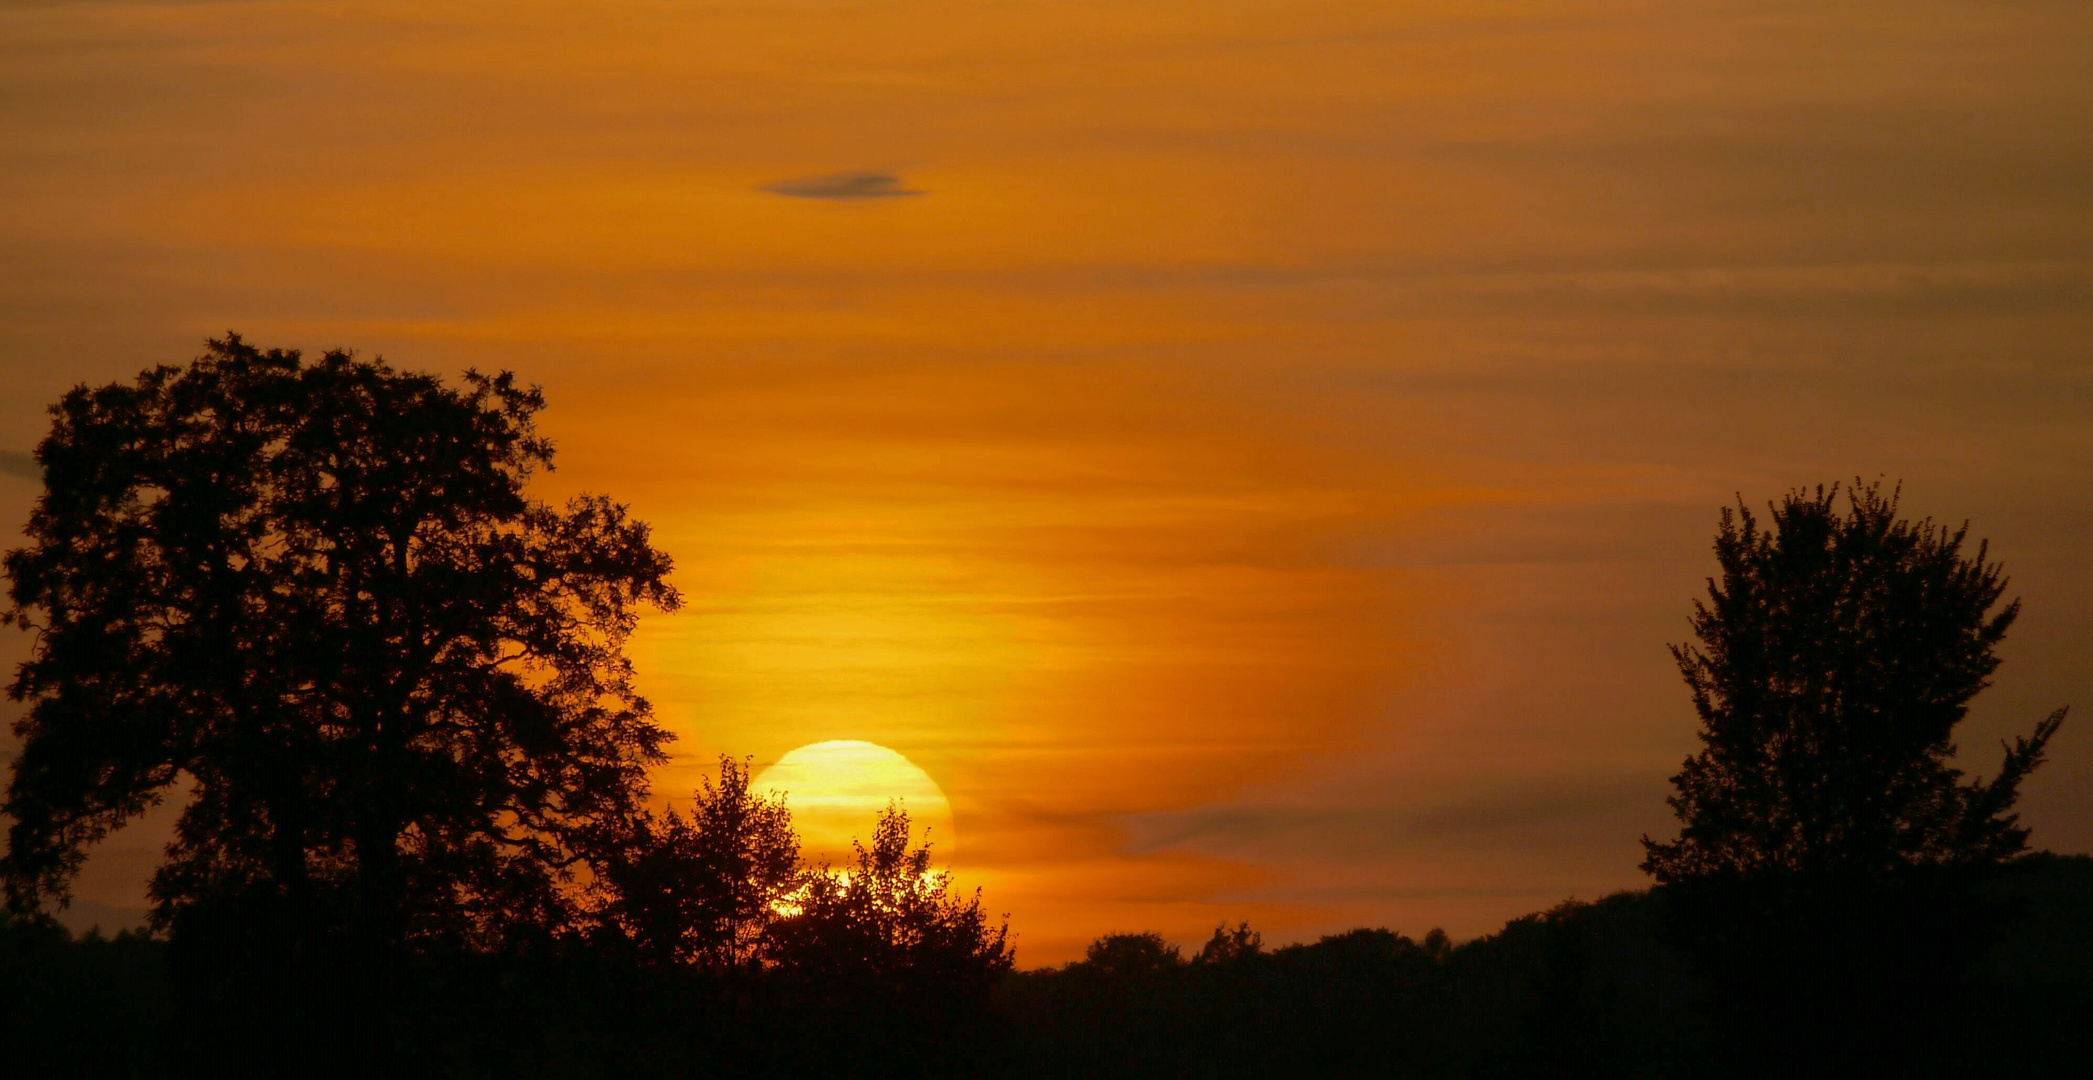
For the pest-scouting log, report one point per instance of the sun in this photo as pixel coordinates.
(837, 789)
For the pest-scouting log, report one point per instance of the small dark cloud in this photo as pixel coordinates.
(20, 463)
(863, 184)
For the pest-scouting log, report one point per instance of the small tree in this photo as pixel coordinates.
(706, 889)
(1835, 657)
(891, 917)
(317, 592)
(888, 968)
(1133, 955)
(1231, 945)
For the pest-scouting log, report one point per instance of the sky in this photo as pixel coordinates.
(1252, 455)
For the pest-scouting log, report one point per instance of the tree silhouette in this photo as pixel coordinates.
(1835, 658)
(706, 889)
(1132, 955)
(1824, 831)
(888, 968)
(1231, 945)
(892, 916)
(313, 599)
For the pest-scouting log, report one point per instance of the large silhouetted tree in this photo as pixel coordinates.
(1827, 874)
(312, 600)
(1834, 658)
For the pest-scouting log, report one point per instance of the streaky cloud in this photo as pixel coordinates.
(1495, 818)
(859, 184)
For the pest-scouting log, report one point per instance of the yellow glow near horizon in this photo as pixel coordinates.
(837, 789)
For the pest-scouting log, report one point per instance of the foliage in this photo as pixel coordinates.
(1232, 945)
(312, 599)
(1584, 989)
(891, 918)
(1132, 954)
(1363, 1003)
(1824, 829)
(1834, 659)
(707, 889)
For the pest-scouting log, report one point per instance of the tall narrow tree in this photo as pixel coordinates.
(313, 600)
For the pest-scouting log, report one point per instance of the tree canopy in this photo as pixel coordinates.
(890, 917)
(707, 888)
(313, 600)
(1834, 659)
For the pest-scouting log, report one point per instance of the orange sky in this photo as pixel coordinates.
(1258, 468)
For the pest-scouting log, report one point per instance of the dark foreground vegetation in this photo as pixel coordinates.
(1587, 989)
(314, 602)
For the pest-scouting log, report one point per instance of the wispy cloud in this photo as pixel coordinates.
(20, 463)
(861, 184)
(1505, 818)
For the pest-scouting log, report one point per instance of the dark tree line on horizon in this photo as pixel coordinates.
(313, 599)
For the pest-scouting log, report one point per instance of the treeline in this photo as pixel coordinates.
(1598, 989)
(709, 947)
(706, 946)
(1585, 989)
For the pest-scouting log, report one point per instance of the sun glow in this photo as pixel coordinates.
(837, 789)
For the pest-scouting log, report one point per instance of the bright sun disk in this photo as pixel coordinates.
(837, 789)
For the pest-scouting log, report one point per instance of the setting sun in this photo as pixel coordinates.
(837, 789)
